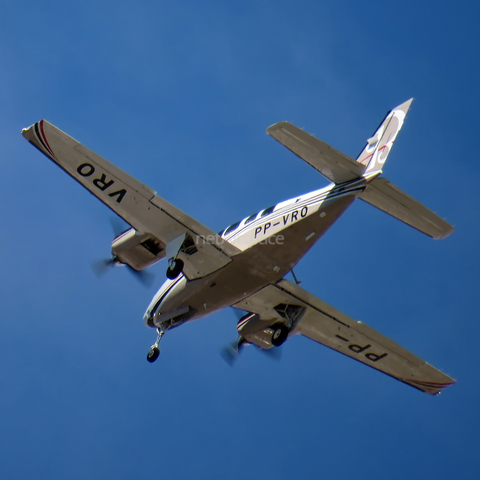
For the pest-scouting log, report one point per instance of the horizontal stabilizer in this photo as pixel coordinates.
(387, 197)
(331, 163)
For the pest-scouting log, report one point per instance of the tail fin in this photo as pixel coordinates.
(340, 168)
(335, 165)
(375, 153)
(385, 195)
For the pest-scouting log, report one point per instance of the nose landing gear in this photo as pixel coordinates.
(154, 351)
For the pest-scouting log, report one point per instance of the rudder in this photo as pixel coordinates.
(375, 153)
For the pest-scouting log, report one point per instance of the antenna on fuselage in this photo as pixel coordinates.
(298, 282)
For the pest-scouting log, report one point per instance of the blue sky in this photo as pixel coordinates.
(179, 95)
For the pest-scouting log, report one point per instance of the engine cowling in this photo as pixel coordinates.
(139, 250)
(263, 333)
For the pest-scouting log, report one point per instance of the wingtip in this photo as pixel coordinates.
(276, 126)
(26, 132)
(446, 232)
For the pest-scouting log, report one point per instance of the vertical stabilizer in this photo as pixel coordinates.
(375, 154)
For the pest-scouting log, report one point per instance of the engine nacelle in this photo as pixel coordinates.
(139, 250)
(262, 339)
(264, 334)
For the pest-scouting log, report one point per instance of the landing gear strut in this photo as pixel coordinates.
(154, 351)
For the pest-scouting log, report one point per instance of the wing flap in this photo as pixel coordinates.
(135, 202)
(331, 163)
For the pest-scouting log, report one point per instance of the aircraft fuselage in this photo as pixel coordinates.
(271, 245)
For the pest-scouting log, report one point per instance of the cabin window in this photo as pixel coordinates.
(268, 211)
(251, 218)
(231, 228)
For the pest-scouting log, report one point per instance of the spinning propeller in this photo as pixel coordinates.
(100, 267)
(231, 351)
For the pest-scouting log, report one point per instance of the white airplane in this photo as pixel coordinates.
(244, 266)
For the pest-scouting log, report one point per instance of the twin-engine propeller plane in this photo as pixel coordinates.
(244, 266)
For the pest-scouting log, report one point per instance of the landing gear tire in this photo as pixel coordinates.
(153, 354)
(279, 335)
(175, 268)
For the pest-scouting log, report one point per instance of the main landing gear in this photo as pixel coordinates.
(175, 267)
(280, 334)
(154, 351)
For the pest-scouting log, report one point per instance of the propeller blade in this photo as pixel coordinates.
(274, 353)
(100, 267)
(238, 313)
(118, 226)
(144, 277)
(231, 352)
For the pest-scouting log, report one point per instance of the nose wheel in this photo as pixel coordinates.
(154, 351)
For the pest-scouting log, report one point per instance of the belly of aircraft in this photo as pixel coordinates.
(260, 265)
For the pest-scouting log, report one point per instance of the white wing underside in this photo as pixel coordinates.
(330, 327)
(135, 202)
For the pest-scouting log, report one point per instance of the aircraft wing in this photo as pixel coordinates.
(328, 326)
(136, 203)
